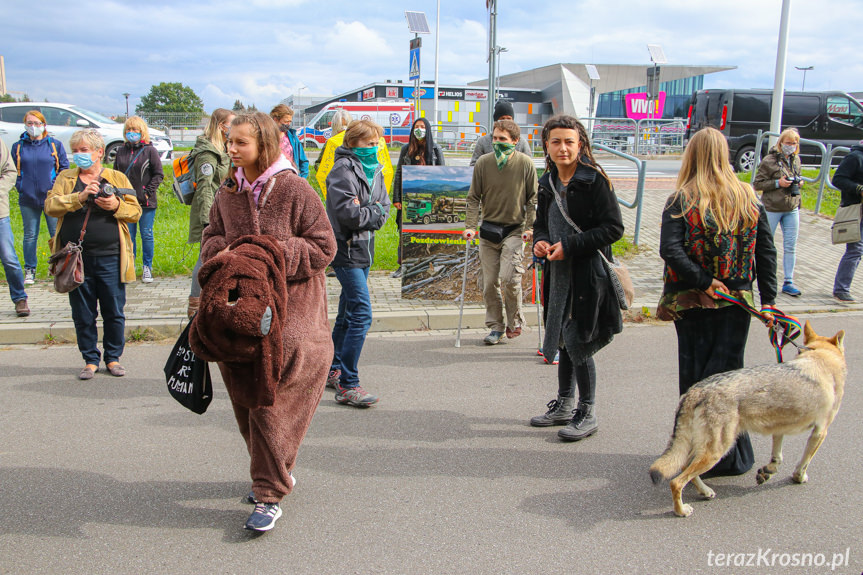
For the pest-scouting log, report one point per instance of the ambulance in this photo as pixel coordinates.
(395, 118)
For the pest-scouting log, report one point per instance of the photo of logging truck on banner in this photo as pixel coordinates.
(434, 207)
(434, 202)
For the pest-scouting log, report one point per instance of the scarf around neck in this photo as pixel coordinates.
(502, 152)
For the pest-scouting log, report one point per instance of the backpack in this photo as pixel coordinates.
(184, 179)
(53, 153)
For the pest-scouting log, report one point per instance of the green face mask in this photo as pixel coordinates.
(369, 159)
(502, 153)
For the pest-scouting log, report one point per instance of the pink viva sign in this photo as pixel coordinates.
(639, 107)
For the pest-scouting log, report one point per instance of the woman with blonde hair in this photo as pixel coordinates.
(39, 158)
(715, 236)
(265, 198)
(210, 157)
(97, 203)
(778, 180)
(357, 205)
(140, 161)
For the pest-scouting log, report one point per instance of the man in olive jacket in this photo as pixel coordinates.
(504, 190)
(11, 265)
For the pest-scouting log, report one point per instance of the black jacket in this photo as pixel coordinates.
(592, 205)
(673, 249)
(143, 167)
(849, 176)
(355, 210)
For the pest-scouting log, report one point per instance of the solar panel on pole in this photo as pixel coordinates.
(417, 22)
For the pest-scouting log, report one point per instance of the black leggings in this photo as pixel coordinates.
(583, 375)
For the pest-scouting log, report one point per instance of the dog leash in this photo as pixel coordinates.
(786, 328)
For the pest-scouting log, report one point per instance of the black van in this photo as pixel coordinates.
(828, 117)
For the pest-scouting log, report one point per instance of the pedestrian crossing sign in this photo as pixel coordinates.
(415, 65)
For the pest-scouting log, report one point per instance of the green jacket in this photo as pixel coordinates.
(8, 174)
(211, 169)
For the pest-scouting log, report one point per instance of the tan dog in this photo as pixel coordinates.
(778, 400)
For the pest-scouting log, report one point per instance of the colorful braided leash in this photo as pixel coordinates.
(786, 328)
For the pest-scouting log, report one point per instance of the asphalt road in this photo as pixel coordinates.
(443, 476)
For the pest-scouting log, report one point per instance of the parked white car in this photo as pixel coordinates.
(64, 119)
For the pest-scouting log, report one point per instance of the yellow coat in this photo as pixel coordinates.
(61, 200)
(328, 157)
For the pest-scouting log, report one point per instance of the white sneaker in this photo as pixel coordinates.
(147, 276)
(29, 277)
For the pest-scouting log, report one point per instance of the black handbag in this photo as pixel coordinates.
(188, 376)
(496, 233)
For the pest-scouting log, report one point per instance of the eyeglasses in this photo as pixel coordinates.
(33, 124)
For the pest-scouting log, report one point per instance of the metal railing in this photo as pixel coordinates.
(457, 137)
(656, 136)
(638, 202)
(826, 164)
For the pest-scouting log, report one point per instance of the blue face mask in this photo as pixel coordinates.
(83, 160)
(133, 137)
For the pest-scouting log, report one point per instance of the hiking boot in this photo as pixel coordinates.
(264, 517)
(559, 413)
(194, 304)
(844, 297)
(790, 289)
(147, 275)
(511, 333)
(333, 378)
(493, 338)
(21, 308)
(356, 396)
(583, 424)
(250, 497)
(29, 277)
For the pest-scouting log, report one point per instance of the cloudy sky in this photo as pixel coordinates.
(89, 52)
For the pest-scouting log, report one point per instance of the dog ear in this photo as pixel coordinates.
(839, 340)
(808, 333)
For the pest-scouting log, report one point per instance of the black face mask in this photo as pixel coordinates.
(284, 127)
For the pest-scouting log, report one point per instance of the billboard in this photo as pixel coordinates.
(638, 106)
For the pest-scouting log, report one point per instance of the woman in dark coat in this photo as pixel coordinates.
(582, 313)
(420, 151)
(715, 236)
(265, 197)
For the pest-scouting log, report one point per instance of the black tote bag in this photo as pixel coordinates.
(188, 376)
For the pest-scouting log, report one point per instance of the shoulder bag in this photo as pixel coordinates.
(618, 274)
(67, 265)
(846, 224)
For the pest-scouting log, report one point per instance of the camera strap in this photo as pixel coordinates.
(84, 227)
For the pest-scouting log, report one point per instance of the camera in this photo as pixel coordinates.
(106, 190)
(794, 188)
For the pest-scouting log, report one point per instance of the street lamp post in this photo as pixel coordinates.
(126, 95)
(498, 50)
(804, 69)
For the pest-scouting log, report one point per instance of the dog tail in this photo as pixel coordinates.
(678, 451)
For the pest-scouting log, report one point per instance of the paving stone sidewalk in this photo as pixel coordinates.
(161, 305)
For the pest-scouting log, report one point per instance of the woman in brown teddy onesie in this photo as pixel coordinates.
(264, 196)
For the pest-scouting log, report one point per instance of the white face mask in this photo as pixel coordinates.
(789, 149)
(35, 131)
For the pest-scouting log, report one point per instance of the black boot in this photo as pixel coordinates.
(583, 423)
(559, 413)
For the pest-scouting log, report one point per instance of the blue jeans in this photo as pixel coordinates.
(102, 292)
(790, 222)
(847, 267)
(14, 275)
(31, 218)
(352, 323)
(148, 217)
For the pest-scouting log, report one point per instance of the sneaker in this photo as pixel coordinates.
(511, 333)
(493, 338)
(356, 396)
(250, 497)
(21, 308)
(29, 277)
(396, 274)
(264, 517)
(333, 378)
(790, 289)
(147, 275)
(844, 297)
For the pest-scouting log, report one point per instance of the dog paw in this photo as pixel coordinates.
(763, 475)
(800, 477)
(708, 493)
(684, 511)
